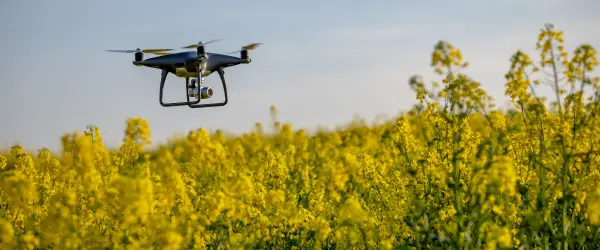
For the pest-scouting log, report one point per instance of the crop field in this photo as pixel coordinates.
(454, 172)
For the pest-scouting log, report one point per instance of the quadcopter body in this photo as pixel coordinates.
(196, 65)
(185, 65)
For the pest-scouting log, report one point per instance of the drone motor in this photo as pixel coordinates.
(139, 56)
(244, 51)
(200, 49)
(201, 53)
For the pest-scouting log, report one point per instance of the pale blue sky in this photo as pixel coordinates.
(322, 62)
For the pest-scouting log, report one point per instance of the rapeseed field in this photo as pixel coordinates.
(454, 172)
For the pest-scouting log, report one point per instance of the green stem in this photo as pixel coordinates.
(457, 197)
(566, 157)
(555, 74)
(596, 236)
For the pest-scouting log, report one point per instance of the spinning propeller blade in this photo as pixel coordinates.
(155, 50)
(151, 51)
(121, 50)
(251, 46)
(191, 46)
(161, 53)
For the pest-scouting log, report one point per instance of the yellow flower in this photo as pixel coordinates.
(7, 234)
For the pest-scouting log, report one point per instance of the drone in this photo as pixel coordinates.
(196, 64)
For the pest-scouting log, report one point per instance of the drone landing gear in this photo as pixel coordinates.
(200, 93)
(163, 77)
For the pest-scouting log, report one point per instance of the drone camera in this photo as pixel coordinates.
(206, 92)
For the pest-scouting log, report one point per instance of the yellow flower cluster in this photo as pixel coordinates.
(452, 173)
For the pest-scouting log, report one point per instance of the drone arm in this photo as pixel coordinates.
(222, 75)
(163, 78)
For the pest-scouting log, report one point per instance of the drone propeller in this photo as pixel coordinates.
(139, 53)
(191, 46)
(151, 51)
(161, 53)
(251, 46)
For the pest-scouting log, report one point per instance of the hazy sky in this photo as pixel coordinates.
(322, 62)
